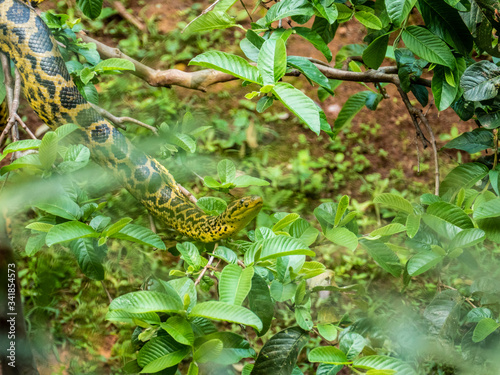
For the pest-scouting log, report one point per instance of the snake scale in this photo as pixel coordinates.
(50, 91)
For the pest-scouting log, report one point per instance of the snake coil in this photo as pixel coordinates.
(48, 87)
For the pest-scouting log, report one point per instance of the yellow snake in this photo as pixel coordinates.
(50, 91)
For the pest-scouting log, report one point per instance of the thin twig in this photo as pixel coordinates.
(246, 10)
(152, 225)
(107, 292)
(187, 193)
(120, 121)
(210, 260)
(122, 11)
(212, 6)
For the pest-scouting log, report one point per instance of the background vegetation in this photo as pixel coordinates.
(353, 265)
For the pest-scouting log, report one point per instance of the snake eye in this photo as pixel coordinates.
(242, 201)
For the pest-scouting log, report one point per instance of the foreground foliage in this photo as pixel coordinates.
(444, 244)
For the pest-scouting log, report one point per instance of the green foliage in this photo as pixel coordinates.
(438, 254)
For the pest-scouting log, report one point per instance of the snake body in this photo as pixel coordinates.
(48, 87)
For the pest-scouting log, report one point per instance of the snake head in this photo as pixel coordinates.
(241, 211)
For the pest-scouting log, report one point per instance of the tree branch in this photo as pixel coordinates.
(122, 11)
(416, 114)
(201, 79)
(120, 121)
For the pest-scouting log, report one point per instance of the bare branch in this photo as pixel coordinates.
(210, 260)
(120, 121)
(187, 193)
(201, 79)
(122, 11)
(416, 114)
(212, 6)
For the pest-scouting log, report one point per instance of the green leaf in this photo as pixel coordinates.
(76, 157)
(298, 103)
(383, 255)
(180, 329)
(40, 227)
(147, 302)
(91, 8)
(272, 248)
(34, 244)
(326, 369)
(264, 103)
(464, 176)
(310, 70)
(303, 317)
(208, 351)
(226, 171)
(227, 255)
(374, 54)
(484, 328)
(63, 131)
(327, 9)
(69, 231)
(235, 347)
(185, 142)
(226, 312)
(215, 19)
(428, 46)
(193, 369)
(480, 81)
(116, 227)
(48, 150)
(341, 209)
(444, 93)
(398, 10)
(286, 9)
(245, 181)
(468, 237)
(279, 354)
(382, 362)
(114, 64)
(260, 302)
(185, 289)
(31, 161)
(235, 283)
(89, 256)
(422, 262)
(350, 108)
(190, 254)
(487, 209)
(445, 22)
(395, 202)
(412, 224)
(160, 353)
(352, 344)
(212, 205)
(141, 235)
(477, 314)
(316, 40)
(343, 237)
(474, 141)
(61, 206)
(328, 354)
(328, 331)
(227, 63)
(284, 222)
(23, 145)
(450, 213)
(368, 19)
(444, 312)
(272, 61)
(388, 230)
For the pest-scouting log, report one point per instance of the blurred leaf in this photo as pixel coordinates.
(484, 328)
(279, 354)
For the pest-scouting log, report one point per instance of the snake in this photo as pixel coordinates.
(52, 94)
